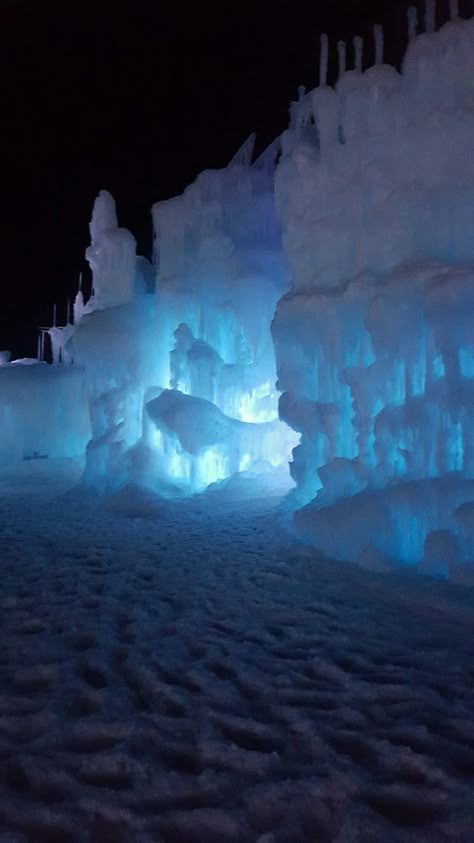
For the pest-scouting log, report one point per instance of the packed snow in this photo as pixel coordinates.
(183, 670)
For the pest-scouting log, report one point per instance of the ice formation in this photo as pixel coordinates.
(43, 411)
(352, 236)
(177, 358)
(375, 341)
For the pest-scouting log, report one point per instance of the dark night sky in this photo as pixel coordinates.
(139, 98)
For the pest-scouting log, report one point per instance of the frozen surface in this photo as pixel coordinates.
(183, 670)
(375, 341)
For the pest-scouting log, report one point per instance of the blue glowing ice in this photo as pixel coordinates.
(317, 304)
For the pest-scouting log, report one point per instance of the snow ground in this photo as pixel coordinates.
(184, 671)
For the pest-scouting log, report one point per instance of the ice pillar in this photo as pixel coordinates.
(341, 51)
(323, 62)
(378, 37)
(430, 14)
(412, 15)
(358, 52)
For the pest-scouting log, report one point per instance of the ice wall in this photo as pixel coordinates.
(375, 342)
(220, 271)
(198, 330)
(114, 347)
(43, 412)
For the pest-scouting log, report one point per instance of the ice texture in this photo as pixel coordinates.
(375, 341)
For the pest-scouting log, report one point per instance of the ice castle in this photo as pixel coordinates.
(312, 307)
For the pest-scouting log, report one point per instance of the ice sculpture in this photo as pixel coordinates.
(375, 341)
(361, 236)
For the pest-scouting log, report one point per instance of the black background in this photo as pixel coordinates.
(138, 98)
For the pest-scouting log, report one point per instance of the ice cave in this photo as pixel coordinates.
(309, 314)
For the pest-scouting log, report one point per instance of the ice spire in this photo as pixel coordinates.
(430, 14)
(454, 9)
(412, 16)
(104, 216)
(111, 256)
(341, 51)
(244, 154)
(358, 52)
(78, 308)
(323, 61)
(267, 159)
(378, 38)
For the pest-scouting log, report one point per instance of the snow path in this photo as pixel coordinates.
(183, 671)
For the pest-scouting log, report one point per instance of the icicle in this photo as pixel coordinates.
(80, 281)
(430, 14)
(358, 52)
(323, 62)
(412, 15)
(454, 9)
(38, 351)
(341, 51)
(293, 124)
(78, 308)
(378, 38)
(299, 110)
